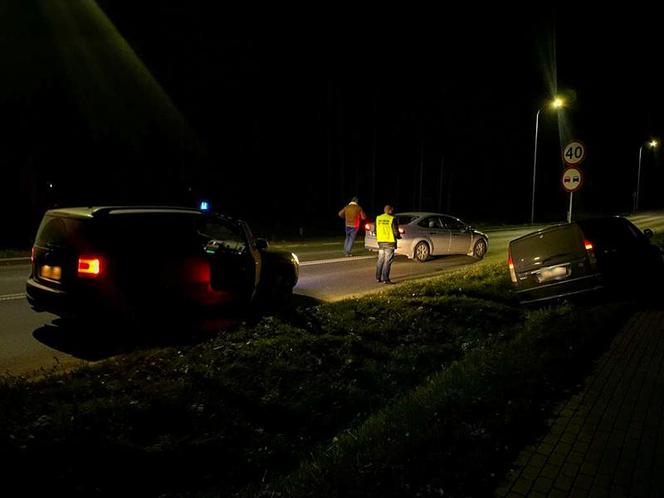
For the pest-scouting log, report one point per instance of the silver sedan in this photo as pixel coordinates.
(432, 234)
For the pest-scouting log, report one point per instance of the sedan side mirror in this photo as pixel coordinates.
(261, 244)
(648, 233)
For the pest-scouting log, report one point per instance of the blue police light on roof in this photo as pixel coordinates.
(204, 206)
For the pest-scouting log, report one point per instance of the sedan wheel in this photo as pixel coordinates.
(479, 250)
(422, 252)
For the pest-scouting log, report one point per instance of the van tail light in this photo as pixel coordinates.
(89, 266)
(510, 263)
(591, 251)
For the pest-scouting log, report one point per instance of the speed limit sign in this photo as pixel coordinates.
(574, 152)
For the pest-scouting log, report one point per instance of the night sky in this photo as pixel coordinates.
(281, 117)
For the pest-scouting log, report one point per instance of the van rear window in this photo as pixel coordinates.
(547, 247)
(612, 233)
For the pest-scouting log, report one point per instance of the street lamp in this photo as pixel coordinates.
(652, 144)
(556, 103)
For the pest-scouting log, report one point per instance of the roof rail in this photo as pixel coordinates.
(105, 210)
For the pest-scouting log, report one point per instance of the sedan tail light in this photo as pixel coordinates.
(402, 230)
(89, 266)
(367, 227)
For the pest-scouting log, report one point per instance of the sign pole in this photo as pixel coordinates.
(572, 180)
(573, 154)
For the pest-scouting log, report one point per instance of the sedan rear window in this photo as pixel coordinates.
(453, 223)
(405, 219)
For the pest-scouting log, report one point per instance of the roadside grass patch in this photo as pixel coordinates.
(307, 390)
(456, 433)
(14, 253)
(658, 240)
(482, 280)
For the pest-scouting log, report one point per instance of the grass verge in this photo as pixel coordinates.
(454, 434)
(423, 389)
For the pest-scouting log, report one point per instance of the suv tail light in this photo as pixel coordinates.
(588, 245)
(89, 266)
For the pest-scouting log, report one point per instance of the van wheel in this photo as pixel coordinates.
(479, 249)
(422, 252)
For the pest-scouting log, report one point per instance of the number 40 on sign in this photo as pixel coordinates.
(574, 152)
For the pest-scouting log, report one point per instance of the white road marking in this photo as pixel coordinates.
(305, 244)
(335, 260)
(12, 297)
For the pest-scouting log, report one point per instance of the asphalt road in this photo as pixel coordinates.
(24, 333)
(31, 341)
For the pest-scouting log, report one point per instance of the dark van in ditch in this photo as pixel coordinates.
(583, 257)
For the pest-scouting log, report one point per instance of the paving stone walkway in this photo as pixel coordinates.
(607, 440)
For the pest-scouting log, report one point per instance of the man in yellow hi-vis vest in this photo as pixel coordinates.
(387, 233)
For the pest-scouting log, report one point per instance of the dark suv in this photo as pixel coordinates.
(150, 259)
(582, 257)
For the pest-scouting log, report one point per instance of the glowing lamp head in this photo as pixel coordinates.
(557, 103)
(204, 205)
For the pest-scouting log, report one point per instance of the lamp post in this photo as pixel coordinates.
(652, 144)
(556, 103)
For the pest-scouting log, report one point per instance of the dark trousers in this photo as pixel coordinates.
(384, 263)
(351, 233)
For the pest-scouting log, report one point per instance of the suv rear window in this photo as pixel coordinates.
(131, 231)
(56, 231)
(171, 232)
(151, 231)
